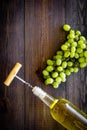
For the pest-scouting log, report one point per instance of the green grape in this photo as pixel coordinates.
(50, 62)
(76, 55)
(54, 74)
(72, 54)
(80, 42)
(58, 62)
(46, 77)
(64, 47)
(74, 44)
(73, 49)
(69, 63)
(82, 38)
(45, 72)
(70, 40)
(49, 68)
(83, 46)
(83, 65)
(59, 68)
(66, 54)
(72, 31)
(85, 53)
(71, 35)
(66, 27)
(79, 50)
(49, 81)
(78, 33)
(81, 54)
(57, 57)
(64, 79)
(67, 72)
(71, 69)
(68, 37)
(75, 69)
(64, 64)
(76, 37)
(55, 84)
(62, 75)
(67, 44)
(82, 59)
(58, 79)
(59, 53)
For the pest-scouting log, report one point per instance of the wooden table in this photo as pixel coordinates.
(30, 33)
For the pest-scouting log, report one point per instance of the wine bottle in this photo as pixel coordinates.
(63, 111)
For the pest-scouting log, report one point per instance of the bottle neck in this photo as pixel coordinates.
(47, 99)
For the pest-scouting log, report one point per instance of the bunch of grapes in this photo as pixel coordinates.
(71, 57)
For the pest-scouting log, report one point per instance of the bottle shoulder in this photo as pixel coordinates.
(61, 101)
(53, 103)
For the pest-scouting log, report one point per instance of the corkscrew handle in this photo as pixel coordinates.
(12, 74)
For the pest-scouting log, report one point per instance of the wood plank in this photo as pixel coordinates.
(11, 51)
(43, 37)
(76, 83)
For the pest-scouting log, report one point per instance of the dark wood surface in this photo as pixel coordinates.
(30, 33)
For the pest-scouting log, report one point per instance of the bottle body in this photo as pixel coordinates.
(68, 115)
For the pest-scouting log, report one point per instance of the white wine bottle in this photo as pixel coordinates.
(63, 111)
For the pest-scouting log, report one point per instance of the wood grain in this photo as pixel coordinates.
(76, 16)
(12, 50)
(42, 39)
(30, 33)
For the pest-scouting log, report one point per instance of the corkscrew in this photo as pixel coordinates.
(13, 74)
